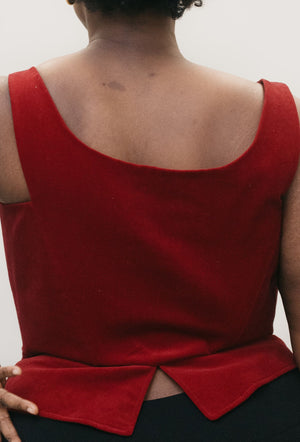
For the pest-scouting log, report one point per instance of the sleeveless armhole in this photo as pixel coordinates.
(31, 127)
(286, 130)
(38, 130)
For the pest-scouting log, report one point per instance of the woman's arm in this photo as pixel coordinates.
(289, 266)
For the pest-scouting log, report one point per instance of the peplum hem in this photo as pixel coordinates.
(110, 398)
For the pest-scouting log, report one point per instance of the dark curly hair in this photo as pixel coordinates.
(168, 8)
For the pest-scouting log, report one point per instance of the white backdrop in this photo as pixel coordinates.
(251, 38)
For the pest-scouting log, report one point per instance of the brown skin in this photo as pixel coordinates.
(10, 400)
(134, 39)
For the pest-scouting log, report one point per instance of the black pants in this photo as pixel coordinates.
(270, 414)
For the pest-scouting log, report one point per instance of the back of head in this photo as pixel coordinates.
(168, 8)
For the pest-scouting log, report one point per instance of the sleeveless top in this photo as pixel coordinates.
(117, 269)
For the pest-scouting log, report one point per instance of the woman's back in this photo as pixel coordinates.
(176, 115)
(135, 268)
(131, 281)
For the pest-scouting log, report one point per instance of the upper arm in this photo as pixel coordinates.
(7, 159)
(4, 100)
(289, 265)
(4, 126)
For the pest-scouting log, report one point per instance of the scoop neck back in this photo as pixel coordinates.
(144, 167)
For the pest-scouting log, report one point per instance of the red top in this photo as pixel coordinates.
(117, 268)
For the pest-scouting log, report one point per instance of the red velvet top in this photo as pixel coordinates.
(117, 268)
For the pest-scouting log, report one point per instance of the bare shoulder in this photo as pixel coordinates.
(234, 84)
(237, 99)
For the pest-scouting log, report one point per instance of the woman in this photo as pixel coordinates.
(124, 100)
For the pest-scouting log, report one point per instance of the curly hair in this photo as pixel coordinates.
(169, 8)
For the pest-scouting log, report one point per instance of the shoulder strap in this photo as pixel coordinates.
(33, 127)
(54, 169)
(46, 150)
(283, 134)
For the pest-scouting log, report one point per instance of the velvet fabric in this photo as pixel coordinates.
(270, 414)
(117, 269)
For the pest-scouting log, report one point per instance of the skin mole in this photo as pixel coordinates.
(116, 85)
